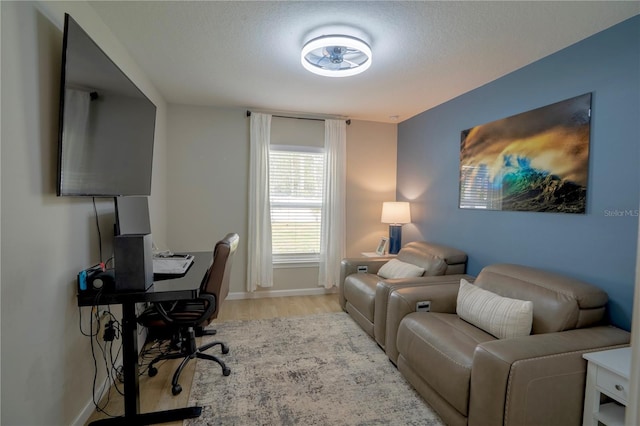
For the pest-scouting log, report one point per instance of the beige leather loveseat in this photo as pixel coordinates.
(470, 376)
(364, 294)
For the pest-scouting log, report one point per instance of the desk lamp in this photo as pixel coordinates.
(395, 213)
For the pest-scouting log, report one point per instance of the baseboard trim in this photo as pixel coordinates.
(90, 408)
(107, 383)
(85, 414)
(263, 294)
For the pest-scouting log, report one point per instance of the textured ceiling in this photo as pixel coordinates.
(247, 54)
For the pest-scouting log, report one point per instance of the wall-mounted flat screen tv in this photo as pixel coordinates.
(105, 142)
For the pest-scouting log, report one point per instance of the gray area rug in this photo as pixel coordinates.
(313, 370)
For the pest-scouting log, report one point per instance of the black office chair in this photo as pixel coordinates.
(186, 319)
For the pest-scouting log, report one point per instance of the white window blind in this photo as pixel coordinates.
(295, 180)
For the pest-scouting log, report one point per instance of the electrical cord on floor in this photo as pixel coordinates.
(102, 337)
(97, 397)
(107, 352)
(151, 351)
(111, 332)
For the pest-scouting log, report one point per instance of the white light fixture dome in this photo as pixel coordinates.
(336, 56)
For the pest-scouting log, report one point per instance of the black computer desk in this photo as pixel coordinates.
(180, 288)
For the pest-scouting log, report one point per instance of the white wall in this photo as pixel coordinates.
(371, 180)
(208, 185)
(207, 181)
(47, 369)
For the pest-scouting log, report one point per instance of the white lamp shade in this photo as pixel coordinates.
(397, 212)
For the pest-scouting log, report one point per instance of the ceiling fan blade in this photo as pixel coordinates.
(322, 61)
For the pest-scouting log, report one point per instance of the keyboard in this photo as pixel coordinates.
(173, 265)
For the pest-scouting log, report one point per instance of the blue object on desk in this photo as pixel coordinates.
(82, 280)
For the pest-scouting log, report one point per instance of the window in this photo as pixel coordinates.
(295, 180)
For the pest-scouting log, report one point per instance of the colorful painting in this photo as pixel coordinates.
(534, 161)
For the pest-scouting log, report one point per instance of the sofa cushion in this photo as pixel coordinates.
(440, 347)
(499, 316)
(397, 269)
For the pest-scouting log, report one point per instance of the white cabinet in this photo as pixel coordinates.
(607, 373)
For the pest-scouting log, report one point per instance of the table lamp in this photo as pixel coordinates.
(395, 213)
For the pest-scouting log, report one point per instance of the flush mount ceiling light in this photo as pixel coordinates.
(336, 56)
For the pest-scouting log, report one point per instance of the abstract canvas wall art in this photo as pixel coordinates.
(534, 161)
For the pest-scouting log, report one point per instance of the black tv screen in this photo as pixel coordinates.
(105, 143)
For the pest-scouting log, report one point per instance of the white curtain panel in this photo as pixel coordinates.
(332, 230)
(259, 262)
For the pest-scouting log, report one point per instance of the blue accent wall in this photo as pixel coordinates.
(598, 247)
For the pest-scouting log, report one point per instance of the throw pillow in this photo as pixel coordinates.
(398, 269)
(499, 316)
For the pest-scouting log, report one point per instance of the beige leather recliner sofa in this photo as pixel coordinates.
(471, 377)
(364, 295)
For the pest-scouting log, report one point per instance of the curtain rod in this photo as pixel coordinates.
(298, 118)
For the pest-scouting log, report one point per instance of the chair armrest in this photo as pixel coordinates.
(350, 266)
(402, 302)
(536, 379)
(170, 318)
(385, 287)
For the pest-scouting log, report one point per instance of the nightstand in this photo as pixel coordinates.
(607, 373)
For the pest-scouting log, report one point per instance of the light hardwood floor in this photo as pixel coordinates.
(155, 392)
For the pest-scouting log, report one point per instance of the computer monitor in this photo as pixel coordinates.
(132, 215)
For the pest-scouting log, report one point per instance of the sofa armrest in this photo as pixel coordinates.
(402, 302)
(385, 287)
(536, 379)
(350, 266)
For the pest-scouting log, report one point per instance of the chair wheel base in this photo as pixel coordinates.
(226, 371)
(225, 349)
(152, 371)
(176, 389)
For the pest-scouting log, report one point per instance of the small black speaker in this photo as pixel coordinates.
(134, 262)
(101, 280)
